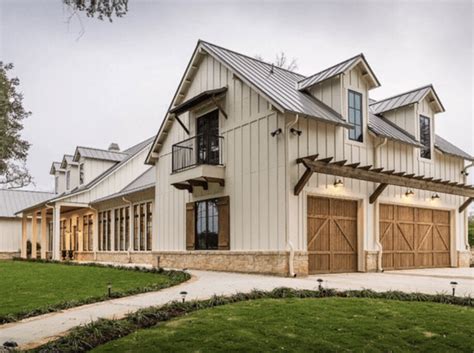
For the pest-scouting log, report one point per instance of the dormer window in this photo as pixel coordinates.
(81, 173)
(68, 179)
(355, 116)
(56, 184)
(425, 137)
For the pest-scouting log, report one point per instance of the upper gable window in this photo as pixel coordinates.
(355, 116)
(68, 179)
(425, 137)
(81, 173)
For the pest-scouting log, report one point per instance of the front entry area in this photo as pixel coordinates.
(414, 237)
(332, 235)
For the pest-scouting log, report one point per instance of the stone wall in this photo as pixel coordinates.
(464, 258)
(8, 255)
(371, 261)
(142, 257)
(267, 262)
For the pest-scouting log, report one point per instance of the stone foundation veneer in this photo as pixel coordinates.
(464, 258)
(8, 255)
(266, 262)
(371, 260)
(143, 257)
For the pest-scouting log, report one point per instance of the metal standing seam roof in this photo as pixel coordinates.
(279, 85)
(145, 181)
(96, 153)
(11, 201)
(68, 159)
(402, 99)
(56, 166)
(385, 128)
(448, 148)
(332, 72)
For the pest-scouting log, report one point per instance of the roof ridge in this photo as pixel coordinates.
(249, 57)
(401, 94)
(35, 191)
(101, 149)
(331, 67)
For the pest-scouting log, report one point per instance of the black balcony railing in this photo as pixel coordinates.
(200, 149)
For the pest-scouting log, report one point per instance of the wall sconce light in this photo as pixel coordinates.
(409, 193)
(435, 196)
(276, 132)
(295, 131)
(453, 287)
(338, 183)
(464, 172)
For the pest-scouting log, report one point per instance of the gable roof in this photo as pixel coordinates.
(67, 160)
(336, 70)
(56, 166)
(97, 153)
(12, 201)
(406, 98)
(450, 149)
(384, 128)
(277, 85)
(145, 181)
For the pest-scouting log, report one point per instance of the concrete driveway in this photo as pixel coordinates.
(34, 331)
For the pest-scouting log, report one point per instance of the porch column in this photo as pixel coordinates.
(132, 228)
(34, 234)
(44, 233)
(95, 235)
(24, 236)
(56, 233)
(80, 233)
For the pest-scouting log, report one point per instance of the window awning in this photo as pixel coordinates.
(194, 101)
(381, 176)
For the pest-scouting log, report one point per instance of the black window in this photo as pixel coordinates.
(207, 225)
(81, 173)
(68, 179)
(208, 139)
(425, 137)
(355, 116)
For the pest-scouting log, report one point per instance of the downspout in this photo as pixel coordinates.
(376, 211)
(466, 225)
(129, 254)
(290, 247)
(96, 235)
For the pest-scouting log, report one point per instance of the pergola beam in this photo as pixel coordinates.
(377, 192)
(367, 173)
(306, 175)
(465, 204)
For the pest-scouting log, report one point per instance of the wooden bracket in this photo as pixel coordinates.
(218, 105)
(377, 192)
(465, 204)
(182, 124)
(202, 183)
(183, 186)
(306, 175)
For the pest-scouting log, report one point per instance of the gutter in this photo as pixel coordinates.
(290, 247)
(376, 209)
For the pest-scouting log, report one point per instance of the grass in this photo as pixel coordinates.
(471, 233)
(301, 325)
(29, 288)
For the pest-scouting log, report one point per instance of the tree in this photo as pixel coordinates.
(101, 8)
(281, 60)
(13, 149)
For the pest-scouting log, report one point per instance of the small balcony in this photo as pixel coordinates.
(198, 161)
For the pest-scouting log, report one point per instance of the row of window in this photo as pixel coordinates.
(356, 132)
(114, 228)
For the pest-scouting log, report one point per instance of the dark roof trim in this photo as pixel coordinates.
(196, 100)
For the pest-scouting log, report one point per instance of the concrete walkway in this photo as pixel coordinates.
(35, 331)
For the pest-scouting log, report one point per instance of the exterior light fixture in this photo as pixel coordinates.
(183, 295)
(338, 183)
(409, 193)
(435, 196)
(320, 283)
(296, 131)
(276, 132)
(453, 287)
(109, 289)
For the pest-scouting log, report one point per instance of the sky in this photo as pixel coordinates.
(91, 82)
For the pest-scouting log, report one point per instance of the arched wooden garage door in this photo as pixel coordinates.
(414, 237)
(332, 235)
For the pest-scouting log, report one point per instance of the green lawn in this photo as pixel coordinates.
(28, 285)
(303, 325)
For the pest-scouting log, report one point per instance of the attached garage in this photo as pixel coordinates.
(414, 237)
(332, 235)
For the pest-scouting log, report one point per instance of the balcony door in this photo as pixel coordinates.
(208, 138)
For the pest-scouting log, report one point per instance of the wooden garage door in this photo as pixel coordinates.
(414, 237)
(332, 235)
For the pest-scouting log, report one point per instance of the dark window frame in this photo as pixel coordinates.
(211, 239)
(425, 139)
(351, 133)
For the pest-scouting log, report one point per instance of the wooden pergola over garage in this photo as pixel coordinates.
(411, 237)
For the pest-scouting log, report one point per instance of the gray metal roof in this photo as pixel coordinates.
(96, 153)
(448, 148)
(278, 85)
(384, 128)
(67, 160)
(55, 166)
(145, 181)
(334, 71)
(403, 99)
(11, 201)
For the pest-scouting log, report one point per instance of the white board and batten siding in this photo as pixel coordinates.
(254, 168)
(94, 167)
(114, 182)
(10, 233)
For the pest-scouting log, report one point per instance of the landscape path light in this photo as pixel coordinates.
(183, 295)
(453, 287)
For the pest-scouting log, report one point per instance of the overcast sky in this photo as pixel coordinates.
(115, 82)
